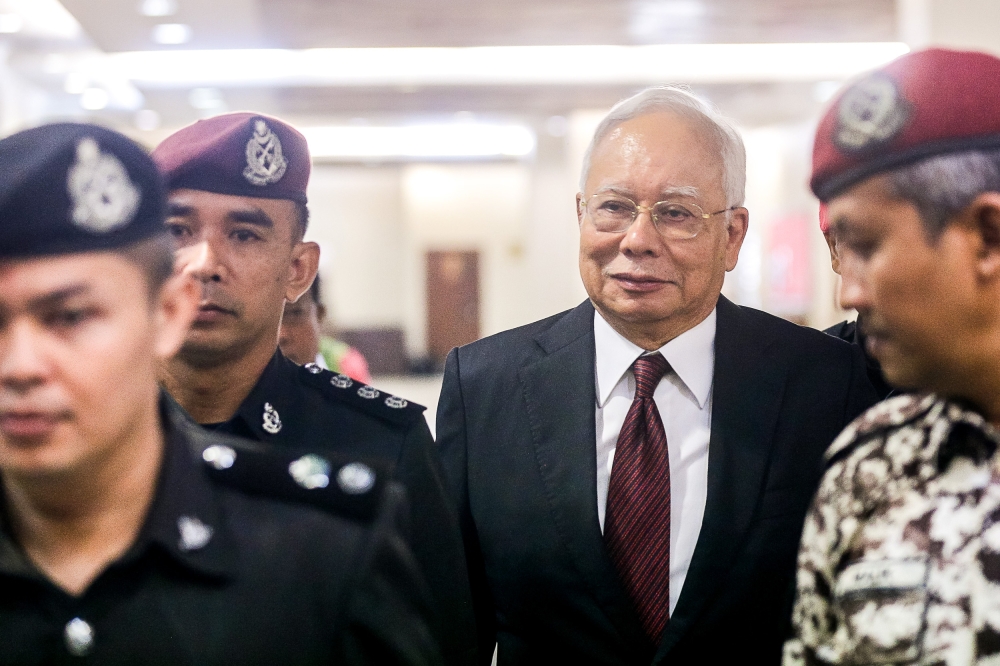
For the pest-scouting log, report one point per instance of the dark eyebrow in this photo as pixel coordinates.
(179, 210)
(56, 297)
(254, 216)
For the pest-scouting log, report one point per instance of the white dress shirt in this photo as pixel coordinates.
(684, 400)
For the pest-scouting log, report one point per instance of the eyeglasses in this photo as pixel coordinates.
(613, 213)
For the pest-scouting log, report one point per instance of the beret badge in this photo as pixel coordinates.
(265, 163)
(871, 113)
(103, 196)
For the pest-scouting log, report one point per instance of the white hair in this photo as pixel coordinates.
(717, 129)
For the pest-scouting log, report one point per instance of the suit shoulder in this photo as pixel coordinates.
(344, 486)
(891, 414)
(361, 397)
(792, 336)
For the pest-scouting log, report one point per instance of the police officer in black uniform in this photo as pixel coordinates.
(128, 534)
(237, 206)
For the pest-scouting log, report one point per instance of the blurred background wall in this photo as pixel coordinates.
(448, 134)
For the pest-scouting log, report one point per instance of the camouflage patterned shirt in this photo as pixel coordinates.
(900, 555)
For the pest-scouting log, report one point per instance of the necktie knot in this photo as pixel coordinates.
(648, 370)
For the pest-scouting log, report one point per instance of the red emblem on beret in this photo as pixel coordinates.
(244, 154)
(922, 104)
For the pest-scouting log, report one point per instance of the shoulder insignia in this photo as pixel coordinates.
(362, 396)
(341, 485)
(886, 415)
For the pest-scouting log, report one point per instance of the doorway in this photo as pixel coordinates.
(452, 301)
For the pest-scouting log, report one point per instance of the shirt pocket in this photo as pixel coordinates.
(882, 605)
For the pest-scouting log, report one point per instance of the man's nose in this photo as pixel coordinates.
(200, 261)
(853, 291)
(22, 363)
(642, 236)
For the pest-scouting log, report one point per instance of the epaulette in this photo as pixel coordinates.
(362, 396)
(889, 414)
(345, 486)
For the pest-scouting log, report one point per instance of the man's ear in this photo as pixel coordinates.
(736, 231)
(176, 307)
(831, 242)
(984, 213)
(301, 270)
(579, 208)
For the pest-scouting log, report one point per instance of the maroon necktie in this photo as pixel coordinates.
(637, 517)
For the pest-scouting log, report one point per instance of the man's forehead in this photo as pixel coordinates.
(40, 277)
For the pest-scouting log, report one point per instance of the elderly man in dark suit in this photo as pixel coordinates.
(632, 475)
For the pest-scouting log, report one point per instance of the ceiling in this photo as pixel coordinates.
(116, 25)
(111, 26)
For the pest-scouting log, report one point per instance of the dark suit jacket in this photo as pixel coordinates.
(516, 428)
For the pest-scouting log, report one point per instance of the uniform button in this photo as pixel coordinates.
(219, 456)
(79, 637)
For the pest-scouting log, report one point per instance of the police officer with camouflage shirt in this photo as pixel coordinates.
(129, 535)
(900, 555)
(237, 206)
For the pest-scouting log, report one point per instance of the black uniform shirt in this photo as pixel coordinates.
(848, 331)
(234, 564)
(312, 408)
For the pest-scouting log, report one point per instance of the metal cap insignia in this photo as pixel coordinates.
(310, 471)
(104, 197)
(870, 113)
(265, 163)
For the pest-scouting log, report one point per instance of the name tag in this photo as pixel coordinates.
(882, 575)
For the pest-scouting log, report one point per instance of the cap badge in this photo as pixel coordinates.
(194, 533)
(265, 163)
(103, 195)
(870, 113)
(272, 422)
(310, 472)
(356, 478)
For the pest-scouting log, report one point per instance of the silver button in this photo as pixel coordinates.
(313, 368)
(219, 456)
(194, 533)
(368, 392)
(341, 381)
(356, 478)
(79, 637)
(395, 402)
(310, 472)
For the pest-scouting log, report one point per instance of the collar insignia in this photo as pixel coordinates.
(265, 163)
(272, 422)
(103, 196)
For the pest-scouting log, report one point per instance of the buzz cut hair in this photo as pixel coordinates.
(723, 136)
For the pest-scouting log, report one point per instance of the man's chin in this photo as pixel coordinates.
(203, 350)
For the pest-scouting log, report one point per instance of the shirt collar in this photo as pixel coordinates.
(691, 355)
(184, 520)
(273, 394)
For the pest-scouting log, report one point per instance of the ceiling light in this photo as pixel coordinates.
(94, 99)
(206, 99)
(506, 65)
(430, 141)
(11, 23)
(172, 33)
(158, 7)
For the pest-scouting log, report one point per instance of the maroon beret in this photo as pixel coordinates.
(244, 154)
(922, 104)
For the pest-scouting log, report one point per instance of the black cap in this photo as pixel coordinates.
(71, 187)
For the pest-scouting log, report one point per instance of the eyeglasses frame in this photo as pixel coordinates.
(653, 218)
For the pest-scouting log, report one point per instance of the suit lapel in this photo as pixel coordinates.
(746, 398)
(560, 395)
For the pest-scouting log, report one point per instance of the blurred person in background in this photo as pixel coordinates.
(900, 551)
(301, 338)
(237, 208)
(129, 535)
(852, 331)
(632, 475)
